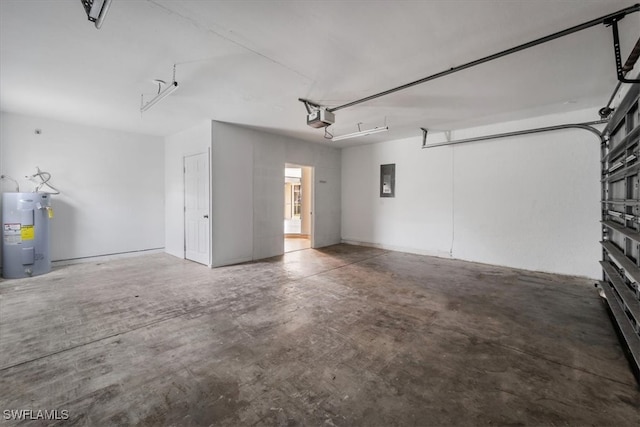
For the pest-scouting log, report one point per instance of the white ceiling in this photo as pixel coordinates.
(248, 62)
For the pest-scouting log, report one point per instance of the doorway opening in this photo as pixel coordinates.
(298, 207)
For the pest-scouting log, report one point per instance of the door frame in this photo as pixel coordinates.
(312, 226)
(312, 207)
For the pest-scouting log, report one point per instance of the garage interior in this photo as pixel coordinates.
(472, 253)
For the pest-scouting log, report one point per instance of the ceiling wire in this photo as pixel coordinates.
(201, 27)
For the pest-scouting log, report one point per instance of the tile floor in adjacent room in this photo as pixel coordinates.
(296, 243)
(342, 336)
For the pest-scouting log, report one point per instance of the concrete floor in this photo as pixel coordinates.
(338, 337)
(296, 243)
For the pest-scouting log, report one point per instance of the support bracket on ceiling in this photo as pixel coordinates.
(310, 105)
(424, 137)
(622, 70)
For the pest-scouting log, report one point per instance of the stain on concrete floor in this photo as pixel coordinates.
(341, 336)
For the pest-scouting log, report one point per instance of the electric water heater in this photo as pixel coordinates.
(25, 234)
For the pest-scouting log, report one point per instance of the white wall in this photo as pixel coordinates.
(248, 176)
(232, 191)
(188, 142)
(112, 183)
(528, 202)
(418, 219)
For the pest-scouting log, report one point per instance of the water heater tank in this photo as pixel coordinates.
(25, 234)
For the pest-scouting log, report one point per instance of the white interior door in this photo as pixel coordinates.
(196, 208)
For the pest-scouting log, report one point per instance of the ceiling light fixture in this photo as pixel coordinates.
(96, 10)
(361, 133)
(161, 93)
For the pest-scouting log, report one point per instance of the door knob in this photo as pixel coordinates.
(206, 216)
